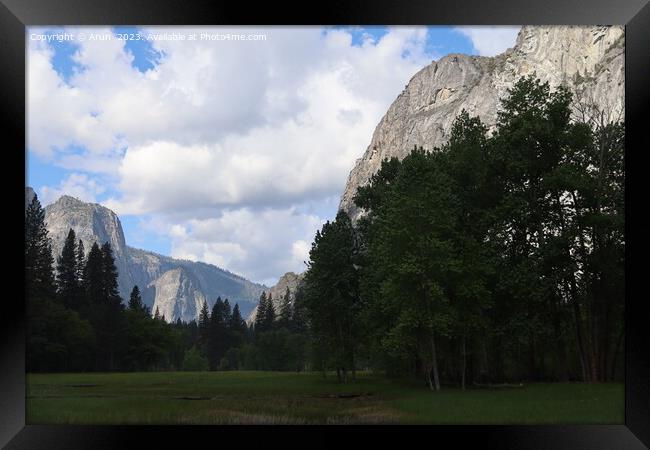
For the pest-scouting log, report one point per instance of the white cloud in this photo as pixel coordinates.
(265, 121)
(61, 115)
(77, 185)
(300, 251)
(263, 244)
(222, 136)
(491, 40)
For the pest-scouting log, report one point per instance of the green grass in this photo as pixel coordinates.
(305, 398)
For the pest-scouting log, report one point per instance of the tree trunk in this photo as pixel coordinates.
(354, 369)
(427, 376)
(464, 363)
(616, 352)
(434, 364)
(486, 362)
(563, 366)
(579, 332)
(338, 374)
(532, 360)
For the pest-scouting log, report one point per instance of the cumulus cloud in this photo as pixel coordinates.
(490, 40)
(263, 244)
(251, 112)
(78, 185)
(222, 136)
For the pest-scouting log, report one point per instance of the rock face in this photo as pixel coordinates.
(91, 223)
(588, 60)
(29, 195)
(177, 294)
(288, 280)
(177, 288)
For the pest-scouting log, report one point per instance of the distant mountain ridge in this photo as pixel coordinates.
(177, 288)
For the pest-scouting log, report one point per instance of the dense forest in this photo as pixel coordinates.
(496, 258)
(78, 322)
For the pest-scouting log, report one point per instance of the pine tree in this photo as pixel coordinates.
(135, 301)
(227, 310)
(238, 336)
(284, 318)
(332, 296)
(237, 324)
(103, 303)
(39, 277)
(81, 260)
(218, 334)
(298, 317)
(67, 281)
(40, 291)
(204, 328)
(269, 314)
(110, 276)
(93, 277)
(265, 315)
(260, 315)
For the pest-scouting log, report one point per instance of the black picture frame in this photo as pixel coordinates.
(15, 15)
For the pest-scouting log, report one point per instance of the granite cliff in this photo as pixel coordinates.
(177, 288)
(589, 60)
(288, 280)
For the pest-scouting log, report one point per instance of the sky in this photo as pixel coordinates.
(229, 151)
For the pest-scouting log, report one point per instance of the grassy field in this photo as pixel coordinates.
(306, 398)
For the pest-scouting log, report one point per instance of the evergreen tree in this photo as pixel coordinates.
(57, 339)
(269, 314)
(135, 301)
(236, 321)
(203, 328)
(284, 318)
(266, 312)
(39, 276)
(93, 279)
(68, 288)
(227, 310)
(261, 314)
(109, 269)
(299, 314)
(218, 343)
(104, 304)
(332, 294)
(81, 261)
(237, 326)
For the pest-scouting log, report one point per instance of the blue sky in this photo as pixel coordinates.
(174, 135)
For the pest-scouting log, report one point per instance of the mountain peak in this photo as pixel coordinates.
(176, 287)
(69, 199)
(29, 195)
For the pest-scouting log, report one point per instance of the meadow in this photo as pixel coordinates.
(254, 397)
